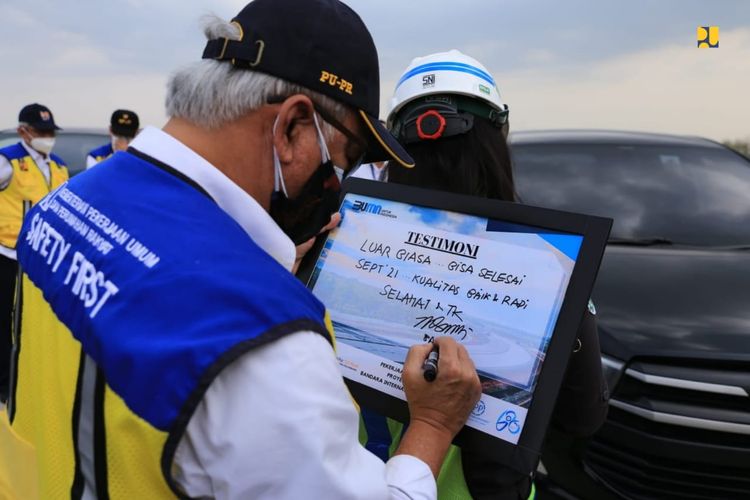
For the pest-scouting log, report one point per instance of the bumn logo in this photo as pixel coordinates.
(428, 80)
(708, 37)
(363, 206)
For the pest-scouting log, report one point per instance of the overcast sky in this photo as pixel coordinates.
(628, 64)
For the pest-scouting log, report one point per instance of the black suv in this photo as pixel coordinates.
(673, 301)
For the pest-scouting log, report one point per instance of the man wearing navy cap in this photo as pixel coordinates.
(123, 127)
(28, 171)
(188, 361)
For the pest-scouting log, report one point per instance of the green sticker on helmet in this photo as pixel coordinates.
(485, 89)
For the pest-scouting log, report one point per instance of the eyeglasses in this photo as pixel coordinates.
(361, 144)
(328, 117)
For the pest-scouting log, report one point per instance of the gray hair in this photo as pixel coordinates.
(211, 93)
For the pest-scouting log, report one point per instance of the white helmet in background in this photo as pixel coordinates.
(457, 82)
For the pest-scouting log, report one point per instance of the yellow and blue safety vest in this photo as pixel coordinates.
(101, 153)
(137, 291)
(26, 184)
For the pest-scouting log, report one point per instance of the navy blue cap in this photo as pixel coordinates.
(124, 122)
(38, 116)
(322, 45)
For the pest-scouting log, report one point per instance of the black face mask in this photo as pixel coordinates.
(303, 217)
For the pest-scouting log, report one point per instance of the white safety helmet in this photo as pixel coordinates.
(447, 76)
(449, 72)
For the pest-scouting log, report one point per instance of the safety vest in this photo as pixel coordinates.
(381, 436)
(27, 183)
(101, 153)
(128, 314)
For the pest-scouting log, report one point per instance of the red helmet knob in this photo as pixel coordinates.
(430, 125)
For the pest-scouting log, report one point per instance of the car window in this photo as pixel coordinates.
(72, 147)
(689, 195)
(8, 139)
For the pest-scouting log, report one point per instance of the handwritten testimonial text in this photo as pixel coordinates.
(427, 273)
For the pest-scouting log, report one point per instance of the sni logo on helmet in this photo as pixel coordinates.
(428, 80)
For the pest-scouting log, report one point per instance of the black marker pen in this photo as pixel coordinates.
(430, 366)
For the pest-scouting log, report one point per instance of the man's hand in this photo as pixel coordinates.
(305, 247)
(438, 409)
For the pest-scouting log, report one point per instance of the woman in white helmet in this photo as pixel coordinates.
(448, 113)
(447, 108)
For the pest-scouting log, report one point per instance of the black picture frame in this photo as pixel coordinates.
(523, 456)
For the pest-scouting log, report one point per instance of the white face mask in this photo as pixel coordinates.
(278, 181)
(43, 144)
(339, 173)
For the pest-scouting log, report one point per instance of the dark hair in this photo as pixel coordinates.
(475, 163)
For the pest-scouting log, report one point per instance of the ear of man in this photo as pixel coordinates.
(23, 133)
(295, 130)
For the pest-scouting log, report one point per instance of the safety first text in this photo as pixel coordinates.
(86, 283)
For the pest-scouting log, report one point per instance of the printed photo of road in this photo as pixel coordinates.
(393, 351)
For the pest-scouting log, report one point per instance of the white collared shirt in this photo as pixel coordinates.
(369, 171)
(6, 173)
(278, 423)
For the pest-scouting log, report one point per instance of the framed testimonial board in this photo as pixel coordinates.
(510, 282)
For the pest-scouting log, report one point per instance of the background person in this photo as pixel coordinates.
(28, 171)
(455, 128)
(123, 127)
(371, 171)
(207, 370)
